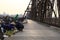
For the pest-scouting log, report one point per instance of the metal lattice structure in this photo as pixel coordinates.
(42, 10)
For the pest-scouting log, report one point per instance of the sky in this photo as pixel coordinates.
(13, 7)
(55, 9)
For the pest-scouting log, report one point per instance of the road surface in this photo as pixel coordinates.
(36, 31)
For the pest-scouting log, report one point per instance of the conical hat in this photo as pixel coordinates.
(12, 23)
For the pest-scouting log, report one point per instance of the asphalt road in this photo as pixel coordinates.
(36, 31)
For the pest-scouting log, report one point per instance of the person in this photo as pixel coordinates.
(9, 29)
(1, 32)
(3, 25)
(11, 25)
(19, 26)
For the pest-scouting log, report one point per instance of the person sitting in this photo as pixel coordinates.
(19, 26)
(1, 32)
(11, 25)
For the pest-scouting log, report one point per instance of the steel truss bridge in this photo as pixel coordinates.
(42, 10)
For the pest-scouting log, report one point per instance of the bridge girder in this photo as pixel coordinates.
(41, 10)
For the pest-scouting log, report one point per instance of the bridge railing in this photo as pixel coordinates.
(52, 21)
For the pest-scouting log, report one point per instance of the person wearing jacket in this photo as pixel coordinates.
(19, 26)
(1, 32)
